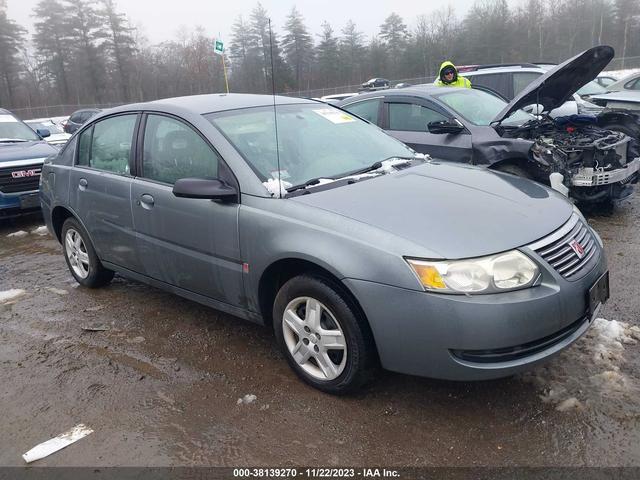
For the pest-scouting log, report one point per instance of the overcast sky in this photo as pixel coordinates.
(162, 20)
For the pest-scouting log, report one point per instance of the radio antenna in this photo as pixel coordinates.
(275, 113)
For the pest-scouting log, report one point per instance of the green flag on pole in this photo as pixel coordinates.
(219, 47)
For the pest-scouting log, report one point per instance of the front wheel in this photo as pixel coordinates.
(322, 335)
(81, 258)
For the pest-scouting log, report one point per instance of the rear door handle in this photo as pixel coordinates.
(146, 201)
(82, 184)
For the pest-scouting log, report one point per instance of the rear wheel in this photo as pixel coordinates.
(81, 258)
(322, 335)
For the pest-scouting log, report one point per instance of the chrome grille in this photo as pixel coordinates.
(557, 251)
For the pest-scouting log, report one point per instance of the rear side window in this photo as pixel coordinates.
(500, 82)
(173, 150)
(412, 117)
(367, 109)
(633, 85)
(522, 79)
(107, 144)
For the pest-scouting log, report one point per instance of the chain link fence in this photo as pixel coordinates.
(49, 111)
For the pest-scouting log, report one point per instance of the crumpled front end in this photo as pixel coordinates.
(591, 163)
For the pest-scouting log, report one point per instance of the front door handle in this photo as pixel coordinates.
(82, 184)
(146, 201)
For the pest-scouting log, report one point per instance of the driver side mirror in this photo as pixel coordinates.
(443, 126)
(205, 188)
(43, 132)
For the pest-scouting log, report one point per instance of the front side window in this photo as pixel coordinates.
(480, 108)
(412, 117)
(107, 144)
(314, 141)
(367, 109)
(173, 150)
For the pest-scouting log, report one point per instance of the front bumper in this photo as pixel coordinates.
(442, 336)
(15, 204)
(589, 177)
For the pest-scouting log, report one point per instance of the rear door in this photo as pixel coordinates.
(190, 243)
(406, 118)
(100, 187)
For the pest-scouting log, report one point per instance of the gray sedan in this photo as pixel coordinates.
(359, 252)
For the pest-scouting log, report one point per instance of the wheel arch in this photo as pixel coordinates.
(284, 269)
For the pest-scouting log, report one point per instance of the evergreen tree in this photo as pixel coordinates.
(352, 51)
(327, 57)
(11, 41)
(297, 46)
(120, 46)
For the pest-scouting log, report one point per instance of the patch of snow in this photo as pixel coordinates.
(12, 294)
(569, 404)
(277, 188)
(18, 234)
(588, 375)
(42, 231)
(247, 399)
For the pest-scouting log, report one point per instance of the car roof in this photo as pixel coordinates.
(214, 102)
(485, 71)
(5, 112)
(424, 90)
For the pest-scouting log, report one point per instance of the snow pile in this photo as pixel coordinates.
(588, 373)
(277, 188)
(9, 295)
(57, 291)
(18, 234)
(247, 399)
(42, 231)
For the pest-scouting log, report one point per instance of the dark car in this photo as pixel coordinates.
(375, 84)
(477, 127)
(79, 118)
(22, 153)
(331, 232)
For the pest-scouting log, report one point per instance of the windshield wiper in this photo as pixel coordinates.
(308, 183)
(12, 140)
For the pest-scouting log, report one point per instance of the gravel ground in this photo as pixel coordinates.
(161, 384)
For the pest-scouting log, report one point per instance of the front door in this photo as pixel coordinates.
(407, 121)
(190, 243)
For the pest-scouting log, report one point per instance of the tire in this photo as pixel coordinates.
(81, 258)
(339, 362)
(514, 170)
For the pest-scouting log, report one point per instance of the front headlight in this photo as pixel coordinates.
(496, 273)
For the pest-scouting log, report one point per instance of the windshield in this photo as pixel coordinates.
(480, 108)
(592, 88)
(315, 141)
(52, 127)
(13, 129)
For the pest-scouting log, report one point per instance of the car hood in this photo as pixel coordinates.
(25, 151)
(558, 85)
(454, 211)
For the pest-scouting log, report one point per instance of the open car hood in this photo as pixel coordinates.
(558, 85)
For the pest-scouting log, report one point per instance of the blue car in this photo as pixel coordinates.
(22, 153)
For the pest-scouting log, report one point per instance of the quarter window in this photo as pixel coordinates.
(412, 117)
(367, 109)
(173, 150)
